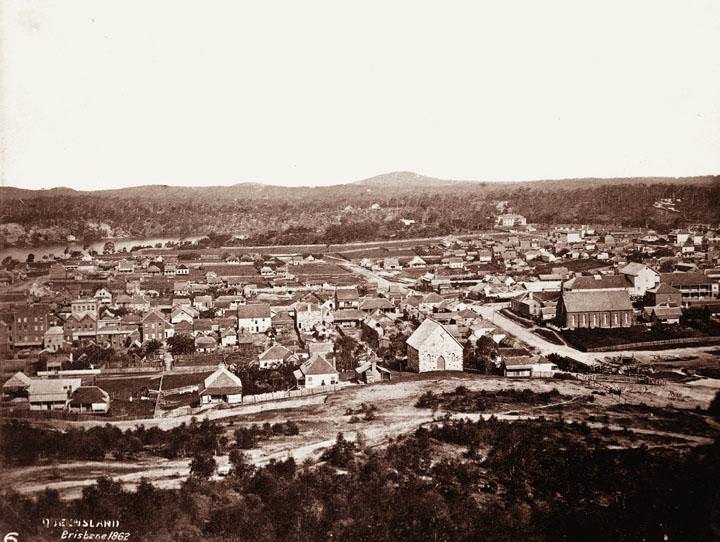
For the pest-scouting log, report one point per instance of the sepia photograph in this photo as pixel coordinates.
(392, 271)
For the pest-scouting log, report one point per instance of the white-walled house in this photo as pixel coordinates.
(433, 348)
(254, 317)
(221, 387)
(642, 278)
(316, 372)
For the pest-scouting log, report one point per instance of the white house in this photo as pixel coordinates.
(254, 317)
(642, 278)
(433, 348)
(90, 399)
(221, 387)
(316, 372)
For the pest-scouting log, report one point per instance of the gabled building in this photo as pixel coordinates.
(642, 277)
(591, 309)
(222, 386)
(254, 317)
(432, 347)
(316, 372)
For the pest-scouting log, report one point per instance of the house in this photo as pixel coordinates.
(667, 314)
(308, 315)
(429, 302)
(416, 262)
(205, 343)
(155, 327)
(347, 318)
(539, 306)
(254, 317)
(529, 366)
(125, 267)
(369, 373)
(103, 296)
(590, 309)
(347, 298)
(274, 356)
(372, 304)
(664, 294)
(392, 264)
(181, 288)
(80, 306)
(222, 386)
(316, 372)
(509, 220)
(181, 314)
(228, 337)
(267, 272)
(90, 399)
(203, 302)
(79, 326)
(642, 277)
(692, 286)
(16, 387)
(182, 269)
(432, 347)
(54, 338)
(51, 394)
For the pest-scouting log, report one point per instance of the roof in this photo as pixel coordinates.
(432, 298)
(221, 382)
(664, 288)
(372, 303)
(664, 311)
(601, 283)
(277, 351)
(425, 330)
(52, 389)
(684, 279)
(633, 269)
(317, 365)
(18, 380)
(254, 310)
(346, 294)
(597, 301)
(89, 394)
(347, 315)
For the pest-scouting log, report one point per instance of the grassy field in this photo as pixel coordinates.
(601, 338)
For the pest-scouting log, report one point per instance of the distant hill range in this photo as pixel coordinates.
(342, 212)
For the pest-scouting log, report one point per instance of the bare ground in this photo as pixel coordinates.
(322, 417)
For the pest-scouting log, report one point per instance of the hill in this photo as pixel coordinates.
(276, 214)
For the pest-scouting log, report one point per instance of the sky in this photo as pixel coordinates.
(98, 94)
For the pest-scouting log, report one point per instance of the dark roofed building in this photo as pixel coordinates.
(591, 309)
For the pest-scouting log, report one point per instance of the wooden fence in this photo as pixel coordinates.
(689, 341)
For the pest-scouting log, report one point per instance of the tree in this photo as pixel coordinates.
(30, 258)
(109, 247)
(203, 465)
(152, 346)
(714, 408)
(181, 344)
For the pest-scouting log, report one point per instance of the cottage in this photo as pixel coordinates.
(664, 294)
(347, 298)
(316, 372)
(51, 394)
(370, 372)
(255, 317)
(205, 343)
(529, 367)
(590, 309)
(90, 399)
(222, 386)
(666, 314)
(433, 348)
(274, 356)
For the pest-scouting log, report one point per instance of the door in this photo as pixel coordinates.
(441, 363)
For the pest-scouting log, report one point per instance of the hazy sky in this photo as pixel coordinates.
(106, 94)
